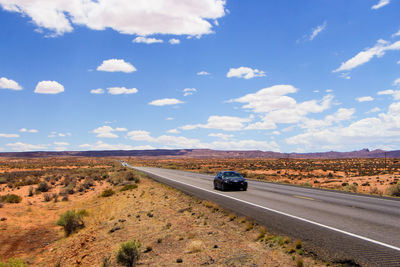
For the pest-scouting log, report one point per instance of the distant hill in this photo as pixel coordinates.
(205, 153)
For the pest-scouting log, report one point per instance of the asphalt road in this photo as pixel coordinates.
(339, 227)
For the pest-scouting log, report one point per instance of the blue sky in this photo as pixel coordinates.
(288, 76)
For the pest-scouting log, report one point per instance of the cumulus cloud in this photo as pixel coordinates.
(144, 18)
(379, 50)
(97, 91)
(147, 40)
(20, 147)
(189, 91)
(165, 102)
(173, 131)
(3, 135)
(364, 99)
(384, 129)
(373, 110)
(121, 91)
(100, 145)
(116, 65)
(174, 41)
(394, 93)
(9, 84)
(49, 87)
(245, 72)
(226, 123)
(107, 132)
(317, 30)
(380, 4)
(274, 106)
(61, 146)
(396, 82)
(244, 145)
(203, 73)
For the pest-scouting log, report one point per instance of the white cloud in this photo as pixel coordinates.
(396, 82)
(342, 114)
(169, 119)
(144, 18)
(363, 57)
(394, 93)
(121, 91)
(398, 62)
(9, 84)
(317, 30)
(374, 110)
(384, 129)
(100, 145)
(276, 107)
(24, 130)
(166, 101)
(2, 135)
(97, 91)
(380, 4)
(189, 91)
(202, 73)
(147, 40)
(329, 90)
(107, 132)
(174, 41)
(116, 65)
(19, 146)
(396, 34)
(61, 143)
(140, 135)
(364, 99)
(173, 131)
(226, 123)
(245, 72)
(49, 87)
(221, 136)
(55, 134)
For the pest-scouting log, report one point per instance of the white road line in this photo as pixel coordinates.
(286, 214)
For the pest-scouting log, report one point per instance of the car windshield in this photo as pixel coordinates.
(230, 175)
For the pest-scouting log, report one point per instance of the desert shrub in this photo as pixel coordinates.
(47, 197)
(106, 262)
(72, 221)
(1, 205)
(11, 198)
(394, 190)
(88, 183)
(128, 187)
(374, 190)
(129, 253)
(42, 187)
(351, 188)
(13, 263)
(107, 192)
(30, 191)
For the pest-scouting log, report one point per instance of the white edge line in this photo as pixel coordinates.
(286, 214)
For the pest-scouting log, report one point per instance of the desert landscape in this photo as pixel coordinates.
(113, 205)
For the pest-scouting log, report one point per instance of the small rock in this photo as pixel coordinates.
(3, 219)
(215, 246)
(122, 220)
(179, 260)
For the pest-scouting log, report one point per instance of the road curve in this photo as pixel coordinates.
(339, 227)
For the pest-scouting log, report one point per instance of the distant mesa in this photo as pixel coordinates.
(206, 153)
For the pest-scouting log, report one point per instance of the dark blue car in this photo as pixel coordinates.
(230, 180)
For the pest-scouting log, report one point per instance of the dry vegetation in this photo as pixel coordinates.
(79, 212)
(372, 176)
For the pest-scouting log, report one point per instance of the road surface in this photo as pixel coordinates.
(339, 227)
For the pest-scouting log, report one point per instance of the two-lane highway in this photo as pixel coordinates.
(338, 226)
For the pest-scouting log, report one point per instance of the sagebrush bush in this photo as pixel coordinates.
(13, 263)
(107, 192)
(394, 190)
(128, 187)
(47, 197)
(72, 221)
(10, 198)
(129, 253)
(43, 187)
